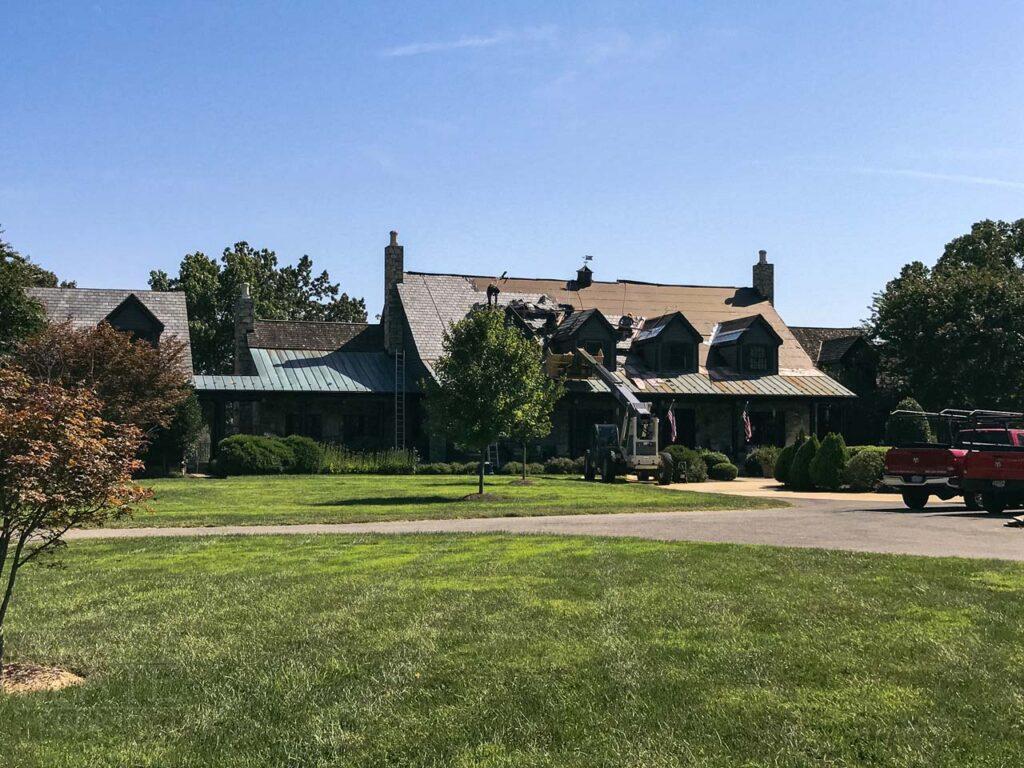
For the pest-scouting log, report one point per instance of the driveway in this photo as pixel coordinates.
(849, 524)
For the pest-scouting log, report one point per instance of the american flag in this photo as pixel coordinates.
(748, 429)
(672, 423)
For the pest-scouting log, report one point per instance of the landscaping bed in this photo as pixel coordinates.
(508, 651)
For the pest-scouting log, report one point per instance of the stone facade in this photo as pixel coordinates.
(394, 273)
(764, 277)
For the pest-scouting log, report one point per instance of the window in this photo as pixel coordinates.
(593, 347)
(678, 357)
(757, 357)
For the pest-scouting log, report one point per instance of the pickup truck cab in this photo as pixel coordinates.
(994, 469)
(919, 472)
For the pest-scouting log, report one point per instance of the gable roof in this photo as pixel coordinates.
(131, 300)
(432, 302)
(316, 335)
(732, 331)
(577, 320)
(88, 307)
(827, 345)
(652, 327)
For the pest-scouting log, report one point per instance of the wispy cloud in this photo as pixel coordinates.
(955, 178)
(503, 37)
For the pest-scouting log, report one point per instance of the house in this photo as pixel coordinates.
(149, 315)
(846, 355)
(709, 353)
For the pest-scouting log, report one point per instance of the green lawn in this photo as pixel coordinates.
(515, 651)
(364, 498)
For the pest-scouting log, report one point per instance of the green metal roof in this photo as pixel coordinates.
(297, 370)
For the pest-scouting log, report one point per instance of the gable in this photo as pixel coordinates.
(133, 317)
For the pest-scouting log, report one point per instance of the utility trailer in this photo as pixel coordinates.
(632, 447)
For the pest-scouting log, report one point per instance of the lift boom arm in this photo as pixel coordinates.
(621, 393)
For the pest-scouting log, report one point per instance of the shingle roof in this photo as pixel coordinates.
(826, 345)
(433, 301)
(316, 335)
(573, 323)
(88, 307)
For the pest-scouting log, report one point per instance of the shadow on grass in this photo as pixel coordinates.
(387, 501)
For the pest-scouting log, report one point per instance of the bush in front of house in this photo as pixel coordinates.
(864, 469)
(724, 470)
(578, 465)
(752, 465)
(687, 465)
(434, 468)
(908, 428)
(534, 468)
(829, 462)
(308, 455)
(253, 455)
(511, 468)
(339, 460)
(764, 456)
(711, 458)
(799, 476)
(559, 466)
(785, 460)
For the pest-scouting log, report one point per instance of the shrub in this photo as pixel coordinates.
(853, 450)
(534, 468)
(711, 458)
(723, 471)
(785, 459)
(766, 456)
(512, 468)
(800, 469)
(687, 465)
(339, 460)
(434, 468)
(904, 428)
(253, 455)
(309, 455)
(864, 470)
(577, 465)
(829, 463)
(752, 466)
(559, 466)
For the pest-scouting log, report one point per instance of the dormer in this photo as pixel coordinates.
(133, 317)
(589, 330)
(747, 345)
(668, 344)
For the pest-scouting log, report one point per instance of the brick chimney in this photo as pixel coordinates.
(244, 322)
(764, 277)
(394, 271)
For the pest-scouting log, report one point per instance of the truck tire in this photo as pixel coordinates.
(915, 499)
(665, 470)
(972, 500)
(589, 470)
(994, 503)
(608, 470)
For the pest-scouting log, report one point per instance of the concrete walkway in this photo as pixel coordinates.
(943, 530)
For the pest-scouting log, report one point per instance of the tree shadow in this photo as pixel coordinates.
(387, 501)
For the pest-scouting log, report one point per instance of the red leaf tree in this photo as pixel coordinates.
(62, 466)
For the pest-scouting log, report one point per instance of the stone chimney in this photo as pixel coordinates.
(764, 277)
(394, 271)
(244, 322)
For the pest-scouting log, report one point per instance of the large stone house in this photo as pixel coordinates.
(709, 353)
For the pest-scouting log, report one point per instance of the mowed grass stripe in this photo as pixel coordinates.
(502, 650)
(374, 498)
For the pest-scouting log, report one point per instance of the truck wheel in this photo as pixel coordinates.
(589, 470)
(915, 499)
(665, 470)
(972, 500)
(608, 470)
(993, 503)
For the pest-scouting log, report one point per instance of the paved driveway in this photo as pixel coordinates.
(942, 530)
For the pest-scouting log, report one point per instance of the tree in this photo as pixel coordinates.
(278, 292)
(799, 477)
(20, 316)
(171, 444)
(489, 384)
(62, 466)
(829, 462)
(136, 383)
(905, 428)
(954, 334)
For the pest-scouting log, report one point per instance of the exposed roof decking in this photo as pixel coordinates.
(316, 335)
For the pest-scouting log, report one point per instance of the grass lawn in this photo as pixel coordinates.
(515, 651)
(365, 498)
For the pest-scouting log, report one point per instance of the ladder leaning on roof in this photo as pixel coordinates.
(400, 399)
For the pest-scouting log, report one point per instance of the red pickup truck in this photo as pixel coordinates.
(919, 472)
(994, 469)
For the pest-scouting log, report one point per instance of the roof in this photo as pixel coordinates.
(316, 335)
(653, 327)
(88, 307)
(575, 321)
(731, 331)
(827, 345)
(433, 301)
(295, 370)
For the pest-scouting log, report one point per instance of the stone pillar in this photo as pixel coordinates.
(764, 277)
(244, 322)
(394, 273)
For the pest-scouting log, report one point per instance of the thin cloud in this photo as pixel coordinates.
(986, 181)
(505, 37)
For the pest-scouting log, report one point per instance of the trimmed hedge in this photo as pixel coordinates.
(864, 470)
(254, 455)
(800, 469)
(711, 458)
(687, 465)
(308, 455)
(785, 460)
(724, 470)
(829, 462)
(434, 468)
(559, 466)
(764, 457)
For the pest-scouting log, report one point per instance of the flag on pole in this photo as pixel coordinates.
(748, 429)
(672, 422)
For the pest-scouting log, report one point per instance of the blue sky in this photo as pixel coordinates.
(669, 140)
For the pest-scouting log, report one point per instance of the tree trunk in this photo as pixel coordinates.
(524, 461)
(481, 476)
(4, 605)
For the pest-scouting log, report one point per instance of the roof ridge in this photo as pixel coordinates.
(313, 322)
(617, 281)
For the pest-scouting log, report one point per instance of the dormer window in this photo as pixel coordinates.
(678, 356)
(747, 345)
(757, 358)
(668, 344)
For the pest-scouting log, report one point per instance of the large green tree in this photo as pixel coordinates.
(953, 334)
(20, 316)
(490, 384)
(288, 292)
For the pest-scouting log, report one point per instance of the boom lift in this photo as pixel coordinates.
(633, 447)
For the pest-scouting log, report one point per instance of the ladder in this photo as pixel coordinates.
(492, 457)
(400, 399)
